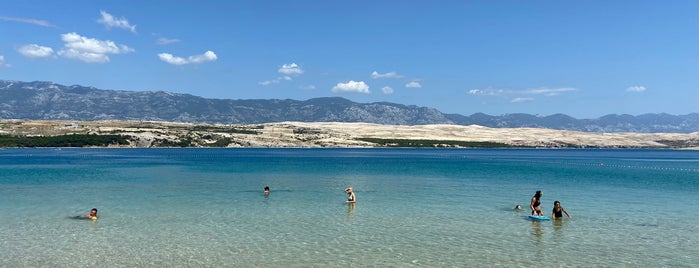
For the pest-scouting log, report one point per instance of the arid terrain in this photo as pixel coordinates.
(321, 134)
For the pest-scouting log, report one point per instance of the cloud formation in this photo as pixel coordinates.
(387, 90)
(35, 51)
(195, 59)
(110, 22)
(505, 92)
(413, 84)
(351, 86)
(166, 41)
(3, 63)
(275, 80)
(392, 74)
(636, 89)
(290, 69)
(90, 50)
(29, 21)
(515, 100)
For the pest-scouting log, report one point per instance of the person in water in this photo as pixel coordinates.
(518, 207)
(92, 215)
(558, 211)
(350, 195)
(535, 204)
(266, 191)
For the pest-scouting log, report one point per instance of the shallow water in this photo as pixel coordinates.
(416, 207)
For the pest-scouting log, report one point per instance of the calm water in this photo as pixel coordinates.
(416, 208)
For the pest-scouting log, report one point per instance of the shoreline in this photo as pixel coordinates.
(147, 134)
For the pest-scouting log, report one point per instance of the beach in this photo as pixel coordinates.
(340, 135)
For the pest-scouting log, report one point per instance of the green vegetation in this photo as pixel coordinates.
(220, 143)
(433, 143)
(167, 143)
(71, 140)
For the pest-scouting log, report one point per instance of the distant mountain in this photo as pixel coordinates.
(51, 101)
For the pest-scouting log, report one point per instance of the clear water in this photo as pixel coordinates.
(415, 208)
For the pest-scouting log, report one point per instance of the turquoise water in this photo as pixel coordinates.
(415, 208)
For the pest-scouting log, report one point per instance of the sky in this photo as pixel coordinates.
(585, 59)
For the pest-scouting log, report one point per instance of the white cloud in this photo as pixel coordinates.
(308, 87)
(90, 50)
(548, 91)
(174, 60)
(413, 84)
(166, 41)
(505, 92)
(515, 100)
(351, 86)
(29, 21)
(387, 90)
(111, 22)
(3, 63)
(275, 80)
(377, 75)
(636, 89)
(290, 69)
(35, 51)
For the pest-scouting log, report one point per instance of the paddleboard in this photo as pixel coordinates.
(539, 218)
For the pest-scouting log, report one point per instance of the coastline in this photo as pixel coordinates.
(146, 134)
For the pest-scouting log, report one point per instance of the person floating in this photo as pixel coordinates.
(558, 211)
(518, 207)
(535, 204)
(350, 195)
(266, 191)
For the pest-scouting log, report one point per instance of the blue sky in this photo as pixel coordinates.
(583, 58)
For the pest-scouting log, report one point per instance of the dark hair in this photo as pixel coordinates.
(538, 194)
(556, 202)
(94, 209)
(267, 188)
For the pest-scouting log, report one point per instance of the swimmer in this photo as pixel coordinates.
(535, 204)
(518, 207)
(350, 195)
(266, 191)
(92, 215)
(558, 211)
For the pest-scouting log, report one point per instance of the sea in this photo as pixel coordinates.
(437, 207)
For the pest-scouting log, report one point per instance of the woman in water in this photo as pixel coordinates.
(266, 191)
(350, 195)
(558, 211)
(535, 204)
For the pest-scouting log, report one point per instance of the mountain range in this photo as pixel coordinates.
(40, 100)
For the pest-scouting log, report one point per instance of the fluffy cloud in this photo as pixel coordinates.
(3, 63)
(636, 89)
(351, 86)
(174, 60)
(413, 84)
(290, 69)
(90, 50)
(377, 75)
(387, 90)
(35, 51)
(110, 22)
